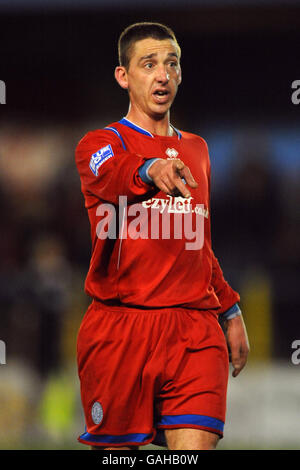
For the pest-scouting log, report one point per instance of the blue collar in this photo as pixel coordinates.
(139, 129)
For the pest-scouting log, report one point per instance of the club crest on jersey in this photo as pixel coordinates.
(99, 158)
(97, 412)
(172, 153)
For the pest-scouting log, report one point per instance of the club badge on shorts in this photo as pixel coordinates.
(97, 412)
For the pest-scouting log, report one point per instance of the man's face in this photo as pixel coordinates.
(153, 76)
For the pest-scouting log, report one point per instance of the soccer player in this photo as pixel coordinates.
(152, 358)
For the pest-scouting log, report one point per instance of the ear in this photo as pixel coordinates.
(121, 76)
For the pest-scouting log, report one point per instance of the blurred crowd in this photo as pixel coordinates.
(256, 232)
(45, 244)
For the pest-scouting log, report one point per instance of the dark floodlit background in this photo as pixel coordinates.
(57, 61)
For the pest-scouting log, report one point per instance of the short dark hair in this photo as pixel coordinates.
(139, 31)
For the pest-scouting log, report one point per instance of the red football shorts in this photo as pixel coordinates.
(142, 371)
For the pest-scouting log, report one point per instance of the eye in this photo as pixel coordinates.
(173, 64)
(149, 65)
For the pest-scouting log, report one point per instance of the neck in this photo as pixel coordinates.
(158, 127)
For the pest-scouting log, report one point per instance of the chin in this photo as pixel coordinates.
(159, 116)
(158, 112)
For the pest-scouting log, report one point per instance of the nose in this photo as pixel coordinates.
(162, 75)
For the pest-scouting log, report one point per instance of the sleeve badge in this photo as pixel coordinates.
(99, 158)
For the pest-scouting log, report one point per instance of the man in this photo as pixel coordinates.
(152, 357)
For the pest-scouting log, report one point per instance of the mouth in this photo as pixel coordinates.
(161, 96)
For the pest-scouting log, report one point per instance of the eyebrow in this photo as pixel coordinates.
(150, 56)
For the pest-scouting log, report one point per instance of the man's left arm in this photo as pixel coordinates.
(231, 318)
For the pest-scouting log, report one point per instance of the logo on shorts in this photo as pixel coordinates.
(97, 412)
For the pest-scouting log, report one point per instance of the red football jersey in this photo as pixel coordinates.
(149, 249)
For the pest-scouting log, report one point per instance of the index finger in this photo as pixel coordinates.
(179, 184)
(185, 172)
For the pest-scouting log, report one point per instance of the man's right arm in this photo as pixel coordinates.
(107, 170)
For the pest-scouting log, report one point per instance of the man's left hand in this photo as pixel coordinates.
(237, 339)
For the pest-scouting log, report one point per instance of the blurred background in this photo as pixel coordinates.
(57, 61)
